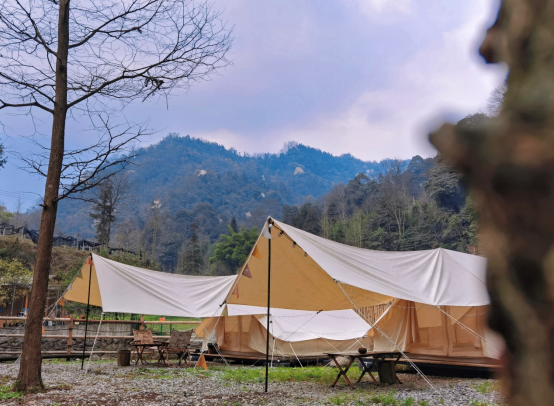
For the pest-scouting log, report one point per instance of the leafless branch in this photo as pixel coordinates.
(85, 168)
(119, 50)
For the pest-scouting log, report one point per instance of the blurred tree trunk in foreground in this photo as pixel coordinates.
(509, 162)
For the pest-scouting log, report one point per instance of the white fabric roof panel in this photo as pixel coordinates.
(128, 289)
(331, 325)
(435, 277)
(301, 325)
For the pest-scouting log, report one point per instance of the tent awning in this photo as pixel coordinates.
(118, 287)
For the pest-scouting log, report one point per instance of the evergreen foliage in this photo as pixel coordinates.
(232, 250)
(418, 206)
(390, 205)
(185, 172)
(5, 215)
(234, 225)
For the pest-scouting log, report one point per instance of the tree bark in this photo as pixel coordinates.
(29, 377)
(509, 162)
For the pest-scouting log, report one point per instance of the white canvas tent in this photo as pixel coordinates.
(436, 300)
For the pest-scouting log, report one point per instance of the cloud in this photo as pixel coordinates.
(383, 6)
(360, 76)
(391, 116)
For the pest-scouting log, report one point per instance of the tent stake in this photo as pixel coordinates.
(88, 310)
(268, 307)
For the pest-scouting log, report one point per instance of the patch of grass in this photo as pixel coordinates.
(485, 387)
(339, 399)
(320, 375)
(386, 399)
(7, 393)
(423, 403)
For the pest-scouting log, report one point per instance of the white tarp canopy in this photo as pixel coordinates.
(117, 287)
(435, 277)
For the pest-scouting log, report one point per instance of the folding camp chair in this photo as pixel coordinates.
(179, 342)
(144, 341)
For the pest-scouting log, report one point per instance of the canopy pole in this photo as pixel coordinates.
(88, 310)
(268, 306)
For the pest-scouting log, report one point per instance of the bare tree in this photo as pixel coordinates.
(156, 219)
(394, 196)
(2, 159)
(107, 199)
(335, 203)
(74, 60)
(128, 235)
(496, 99)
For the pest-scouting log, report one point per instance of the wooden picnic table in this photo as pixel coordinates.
(377, 356)
(139, 349)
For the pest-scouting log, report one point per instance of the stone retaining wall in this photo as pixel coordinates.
(60, 344)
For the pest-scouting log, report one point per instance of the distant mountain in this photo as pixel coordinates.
(191, 168)
(184, 172)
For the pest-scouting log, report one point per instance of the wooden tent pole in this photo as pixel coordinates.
(88, 310)
(268, 306)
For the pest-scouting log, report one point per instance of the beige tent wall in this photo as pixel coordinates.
(297, 282)
(427, 331)
(246, 336)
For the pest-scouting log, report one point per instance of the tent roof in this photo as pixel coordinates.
(309, 273)
(117, 287)
(313, 273)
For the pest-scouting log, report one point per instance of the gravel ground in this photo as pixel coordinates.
(107, 384)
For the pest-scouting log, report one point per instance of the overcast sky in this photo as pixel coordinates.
(366, 77)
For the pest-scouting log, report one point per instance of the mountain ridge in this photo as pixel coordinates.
(183, 171)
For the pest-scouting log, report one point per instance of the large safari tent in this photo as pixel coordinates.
(325, 297)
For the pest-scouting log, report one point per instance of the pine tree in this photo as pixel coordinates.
(234, 225)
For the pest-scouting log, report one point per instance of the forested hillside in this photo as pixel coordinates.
(193, 177)
(421, 206)
(182, 183)
(192, 206)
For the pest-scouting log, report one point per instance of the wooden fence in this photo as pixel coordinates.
(71, 323)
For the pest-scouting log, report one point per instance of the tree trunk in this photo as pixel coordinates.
(29, 377)
(387, 372)
(509, 162)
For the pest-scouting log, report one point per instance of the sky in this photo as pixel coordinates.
(366, 77)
